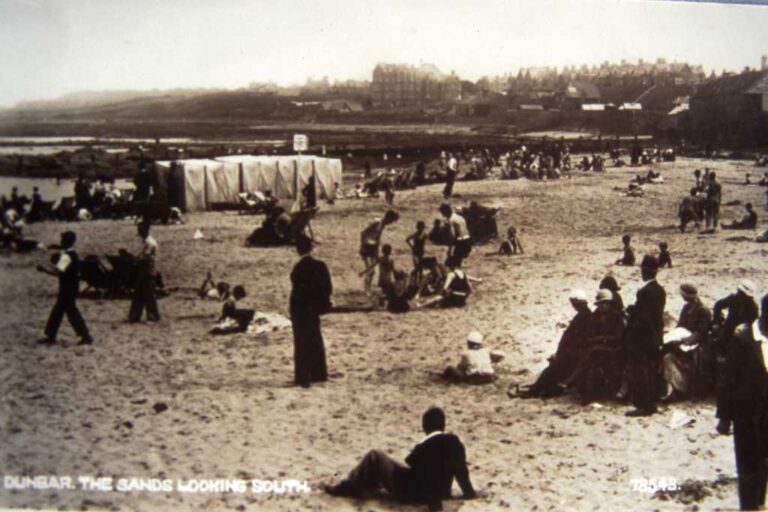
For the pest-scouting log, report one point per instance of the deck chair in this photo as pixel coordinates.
(96, 276)
(300, 222)
(123, 272)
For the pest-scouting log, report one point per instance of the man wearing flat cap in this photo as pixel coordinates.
(310, 297)
(643, 338)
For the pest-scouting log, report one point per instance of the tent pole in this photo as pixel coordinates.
(205, 188)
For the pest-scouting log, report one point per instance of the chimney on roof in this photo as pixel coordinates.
(764, 63)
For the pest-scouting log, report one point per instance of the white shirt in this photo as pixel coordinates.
(431, 435)
(453, 164)
(476, 362)
(64, 262)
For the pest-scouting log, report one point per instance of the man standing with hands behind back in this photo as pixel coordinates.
(310, 297)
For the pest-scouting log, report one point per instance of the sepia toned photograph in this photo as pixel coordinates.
(383, 255)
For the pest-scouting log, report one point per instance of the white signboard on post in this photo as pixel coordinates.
(300, 143)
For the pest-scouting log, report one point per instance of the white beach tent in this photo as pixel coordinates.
(286, 176)
(200, 183)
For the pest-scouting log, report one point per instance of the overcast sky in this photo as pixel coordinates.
(53, 47)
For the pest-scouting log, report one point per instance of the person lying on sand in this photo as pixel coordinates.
(475, 366)
(425, 478)
(233, 319)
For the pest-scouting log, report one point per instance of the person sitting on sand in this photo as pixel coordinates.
(398, 294)
(233, 319)
(440, 234)
(212, 290)
(563, 363)
(475, 366)
(512, 244)
(665, 260)
(432, 279)
(456, 288)
(749, 221)
(416, 241)
(687, 359)
(425, 478)
(609, 283)
(601, 367)
(628, 259)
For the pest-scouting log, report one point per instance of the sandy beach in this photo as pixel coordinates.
(233, 413)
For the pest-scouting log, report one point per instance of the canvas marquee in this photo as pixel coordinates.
(201, 184)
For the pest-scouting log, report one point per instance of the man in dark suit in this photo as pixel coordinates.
(644, 337)
(67, 268)
(427, 476)
(310, 298)
(741, 402)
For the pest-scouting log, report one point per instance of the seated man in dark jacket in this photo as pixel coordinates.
(428, 476)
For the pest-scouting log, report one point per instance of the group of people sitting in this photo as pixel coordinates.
(645, 156)
(597, 354)
(549, 163)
